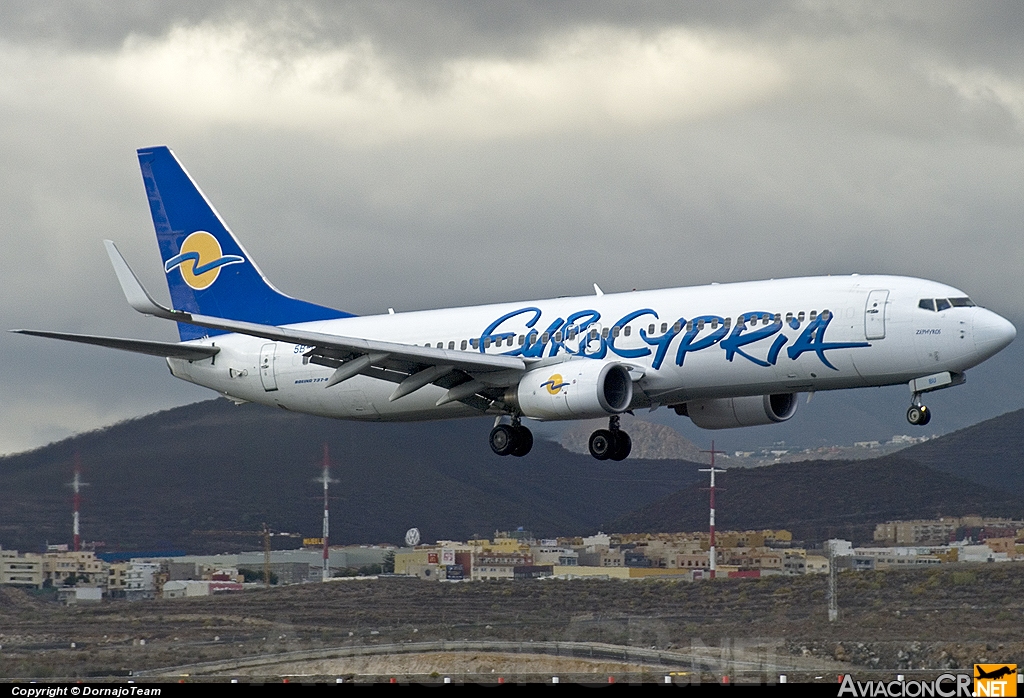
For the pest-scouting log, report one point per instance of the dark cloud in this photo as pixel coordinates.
(879, 138)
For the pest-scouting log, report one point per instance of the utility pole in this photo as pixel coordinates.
(266, 556)
(833, 585)
(711, 553)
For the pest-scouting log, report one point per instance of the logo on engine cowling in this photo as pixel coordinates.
(554, 384)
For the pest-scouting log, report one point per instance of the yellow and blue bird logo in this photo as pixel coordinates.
(554, 384)
(200, 260)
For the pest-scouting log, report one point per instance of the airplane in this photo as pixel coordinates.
(724, 355)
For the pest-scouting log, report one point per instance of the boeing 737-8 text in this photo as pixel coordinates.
(725, 355)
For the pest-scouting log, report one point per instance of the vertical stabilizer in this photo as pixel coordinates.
(208, 271)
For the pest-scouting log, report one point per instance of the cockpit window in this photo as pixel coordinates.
(927, 304)
(961, 302)
(942, 304)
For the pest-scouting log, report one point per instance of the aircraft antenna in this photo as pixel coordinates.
(712, 556)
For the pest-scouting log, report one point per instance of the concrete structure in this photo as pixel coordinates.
(21, 570)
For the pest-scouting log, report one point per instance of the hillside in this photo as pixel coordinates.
(822, 499)
(215, 466)
(990, 453)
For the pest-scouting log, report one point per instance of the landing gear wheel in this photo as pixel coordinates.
(502, 439)
(602, 444)
(919, 415)
(522, 442)
(623, 445)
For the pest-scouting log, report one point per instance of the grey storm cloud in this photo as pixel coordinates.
(418, 154)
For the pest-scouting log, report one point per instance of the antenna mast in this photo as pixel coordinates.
(713, 558)
(77, 484)
(326, 479)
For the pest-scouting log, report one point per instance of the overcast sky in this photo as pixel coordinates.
(420, 154)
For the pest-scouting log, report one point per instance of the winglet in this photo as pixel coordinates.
(598, 291)
(134, 293)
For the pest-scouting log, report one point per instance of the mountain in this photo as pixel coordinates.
(214, 466)
(989, 453)
(817, 500)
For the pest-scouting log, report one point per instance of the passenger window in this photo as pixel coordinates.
(544, 338)
(440, 345)
(664, 327)
(475, 343)
(766, 319)
(942, 304)
(451, 345)
(814, 314)
(522, 339)
(511, 341)
(615, 331)
(728, 322)
(800, 316)
(700, 325)
(789, 317)
(650, 329)
(463, 345)
(487, 343)
(714, 324)
(604, 333)
(558, 336)
(825, 315)
(626, 330)
(778, 317)
(593, 334)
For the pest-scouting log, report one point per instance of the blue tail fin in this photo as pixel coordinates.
(208, 270)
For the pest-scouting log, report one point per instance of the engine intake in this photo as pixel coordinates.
(728, 413)
(577, 389)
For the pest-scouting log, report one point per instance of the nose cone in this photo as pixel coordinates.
(992, 333)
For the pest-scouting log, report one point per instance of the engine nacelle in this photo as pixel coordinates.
(578, 389)
(727, 413)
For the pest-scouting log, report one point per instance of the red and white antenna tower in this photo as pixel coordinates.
(77, 484)
(326, 479)
(711, 553)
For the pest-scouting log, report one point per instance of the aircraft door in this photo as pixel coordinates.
(874, 314)
(267, 375)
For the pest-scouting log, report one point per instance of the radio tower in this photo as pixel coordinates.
(77, 484)
(326, 479)
(711, 553)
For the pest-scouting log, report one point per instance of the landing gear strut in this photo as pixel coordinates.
(511, 439)
(918, 414)
(611, 443)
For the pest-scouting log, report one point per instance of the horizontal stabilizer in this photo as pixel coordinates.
(139, 346)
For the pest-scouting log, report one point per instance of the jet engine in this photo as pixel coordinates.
(727, 413)
(578, 389)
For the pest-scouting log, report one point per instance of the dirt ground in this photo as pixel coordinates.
(942, 618)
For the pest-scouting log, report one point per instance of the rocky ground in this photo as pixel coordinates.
(941, 618)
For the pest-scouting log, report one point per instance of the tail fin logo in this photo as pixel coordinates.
(200, 260)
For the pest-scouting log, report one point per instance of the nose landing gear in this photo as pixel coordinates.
(511, 439)
(611, 443)
(918, 414)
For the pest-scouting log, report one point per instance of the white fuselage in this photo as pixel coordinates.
(716, 341)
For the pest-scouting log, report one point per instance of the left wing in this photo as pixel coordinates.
(470, 377)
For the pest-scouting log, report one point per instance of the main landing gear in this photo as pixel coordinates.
(511, 439)
(918, 414)
(611, 443)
